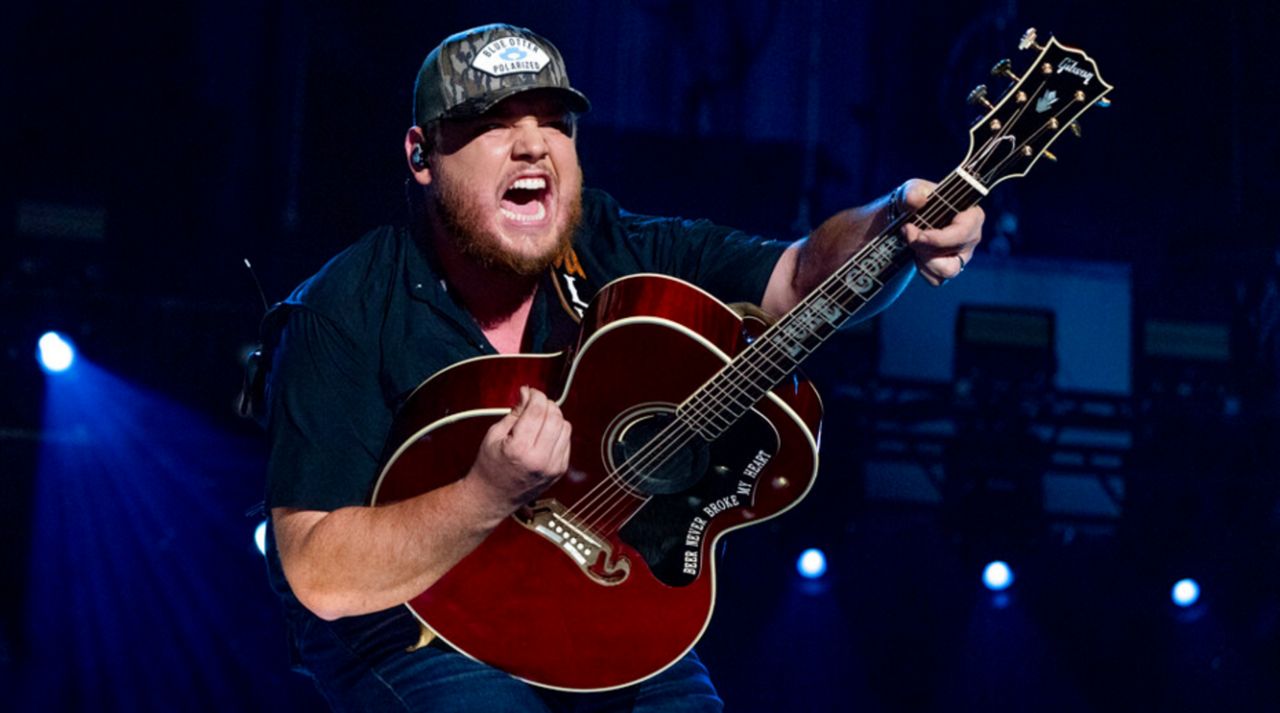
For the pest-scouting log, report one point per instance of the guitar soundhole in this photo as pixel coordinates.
(655, 455)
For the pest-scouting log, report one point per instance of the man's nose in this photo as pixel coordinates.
(529, 143)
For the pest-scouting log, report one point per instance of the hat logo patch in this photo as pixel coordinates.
(510, 55)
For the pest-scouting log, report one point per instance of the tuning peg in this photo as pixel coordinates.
(1004, 68)
(1075, 129)
(978, 97)
(1029, 152)
(1105, 103)
(1029, 40)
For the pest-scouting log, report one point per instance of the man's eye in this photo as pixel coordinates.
(488, 126)
(562, 125)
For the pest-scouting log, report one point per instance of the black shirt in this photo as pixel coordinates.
(355, 339)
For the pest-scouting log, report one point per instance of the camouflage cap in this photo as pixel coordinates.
(470, 72)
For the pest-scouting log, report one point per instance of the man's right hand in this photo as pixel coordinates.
(523, 453)
(357, 560)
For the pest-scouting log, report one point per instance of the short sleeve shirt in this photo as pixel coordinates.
(351, 343)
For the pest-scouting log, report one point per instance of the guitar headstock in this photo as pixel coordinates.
(1042, 104)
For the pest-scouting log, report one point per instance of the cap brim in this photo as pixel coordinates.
(574, 100)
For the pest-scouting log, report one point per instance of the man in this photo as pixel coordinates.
(493, 157)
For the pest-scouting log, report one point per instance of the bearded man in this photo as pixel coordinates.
(494, 261)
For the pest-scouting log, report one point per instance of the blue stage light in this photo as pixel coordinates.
(1185, 592)
(812, 563)
(260, 537)
(997, 576)
(55, 352)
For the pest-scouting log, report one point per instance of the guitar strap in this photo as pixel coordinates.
(574, 292)
(571, 285)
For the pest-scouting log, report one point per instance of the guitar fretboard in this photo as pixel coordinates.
(775, 355)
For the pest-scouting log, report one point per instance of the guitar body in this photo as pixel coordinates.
(609, 577)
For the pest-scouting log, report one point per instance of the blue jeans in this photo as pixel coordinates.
(361, 664)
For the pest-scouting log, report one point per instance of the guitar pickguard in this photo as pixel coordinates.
(668, 530)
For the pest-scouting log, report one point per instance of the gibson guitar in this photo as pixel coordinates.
(689, 421)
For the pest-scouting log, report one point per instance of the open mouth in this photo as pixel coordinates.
(525, 200)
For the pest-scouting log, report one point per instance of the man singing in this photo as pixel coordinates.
(499, 204)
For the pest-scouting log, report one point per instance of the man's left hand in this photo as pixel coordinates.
(941, 253)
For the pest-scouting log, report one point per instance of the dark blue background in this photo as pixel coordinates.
(150, 148)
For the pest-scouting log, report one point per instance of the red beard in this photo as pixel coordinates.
(464, 222)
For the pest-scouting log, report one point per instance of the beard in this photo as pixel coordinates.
(464, 221)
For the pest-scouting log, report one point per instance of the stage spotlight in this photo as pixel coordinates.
(260, 537)
(55, 352)
(1185, 592)
(812, 564)
(997, 576)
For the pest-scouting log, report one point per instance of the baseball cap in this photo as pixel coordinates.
(470, 72)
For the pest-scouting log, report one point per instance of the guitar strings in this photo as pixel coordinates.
(664, 445)
(942, 195)
(666, 442)
(726, 389)
(720, 389)
(663, 451)
(705, 401)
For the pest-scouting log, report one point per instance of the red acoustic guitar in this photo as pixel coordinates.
(687, 423)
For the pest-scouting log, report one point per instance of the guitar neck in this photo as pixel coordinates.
(773, 356)
(1044, 103)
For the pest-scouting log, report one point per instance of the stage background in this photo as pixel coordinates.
(151, 148)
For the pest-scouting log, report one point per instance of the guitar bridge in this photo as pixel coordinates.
(593, 554)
